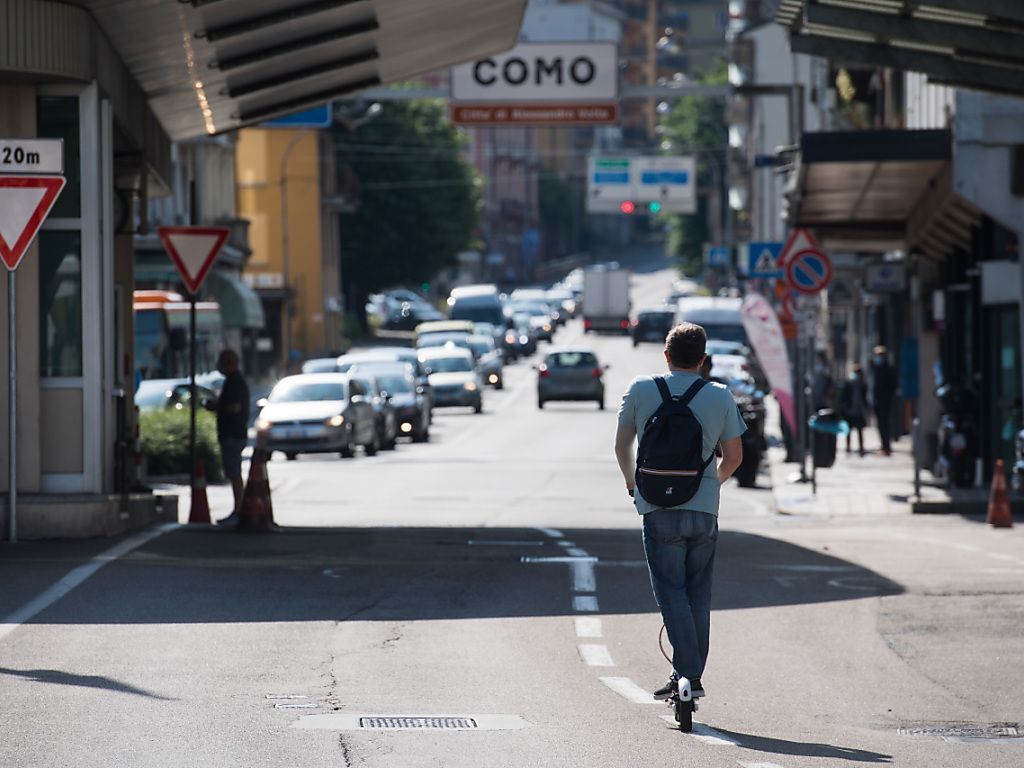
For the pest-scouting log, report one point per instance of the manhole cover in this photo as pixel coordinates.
(408, 723)
(962, 730)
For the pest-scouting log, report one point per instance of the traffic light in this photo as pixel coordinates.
(654, 206)
(627, 206)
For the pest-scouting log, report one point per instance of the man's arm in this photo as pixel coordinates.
(624, 437)
(732, 456)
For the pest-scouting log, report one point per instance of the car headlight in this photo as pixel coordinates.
(524, 340)
(493, 378)
(547, 327)
(335, 421)
(262, 425)
(469, 386)
(510, 338)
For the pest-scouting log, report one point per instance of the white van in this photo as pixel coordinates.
(719, 316)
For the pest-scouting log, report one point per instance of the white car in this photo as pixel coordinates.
(453, 376)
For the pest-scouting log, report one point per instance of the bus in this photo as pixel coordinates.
(162, 335)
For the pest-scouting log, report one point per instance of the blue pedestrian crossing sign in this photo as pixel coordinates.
(718, 256)
(764, 261)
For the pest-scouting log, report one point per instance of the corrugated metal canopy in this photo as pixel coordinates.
(210, 66)
(969, 43)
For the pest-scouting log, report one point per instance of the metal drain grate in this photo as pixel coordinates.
(443, 723)
(962, 730)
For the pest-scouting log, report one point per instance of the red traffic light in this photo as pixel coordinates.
(628, 206)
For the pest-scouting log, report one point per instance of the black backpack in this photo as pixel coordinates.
(670, 461)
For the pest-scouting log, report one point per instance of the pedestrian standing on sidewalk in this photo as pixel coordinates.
(884, 385)
(232, 409)
(680, 540)
(853, 407)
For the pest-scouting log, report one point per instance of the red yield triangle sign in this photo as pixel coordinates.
(193, 251)
(25, 201)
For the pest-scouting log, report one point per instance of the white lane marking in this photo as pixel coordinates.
(576, 552)
(757, 765)
(595, 655)
(706, 734)
(552, 533)
(629, 690)
(564, 543)
(584, 603)
(810, 568)
(76, 576)
(478, 543)
(528, 559)
(583, 577)
(588, 626)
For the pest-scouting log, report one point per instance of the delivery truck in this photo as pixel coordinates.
(606, 299)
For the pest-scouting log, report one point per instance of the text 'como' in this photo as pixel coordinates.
(519, 71)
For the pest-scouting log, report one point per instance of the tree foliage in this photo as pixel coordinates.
(419, 202)
(696, 125)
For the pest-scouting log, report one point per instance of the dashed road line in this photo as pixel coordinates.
(595, 655)
(629, 690)
(584, 603)
(552, 533)
(706, 733)
(588, 626)
(564, 543)
(576, 552)
(583, 577)
(757, 765)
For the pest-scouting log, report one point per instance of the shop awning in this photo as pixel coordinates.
(240, 307)
(209, 66)
(968, 43)
(859, 189)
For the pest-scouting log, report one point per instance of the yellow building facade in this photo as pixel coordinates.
(282, 175)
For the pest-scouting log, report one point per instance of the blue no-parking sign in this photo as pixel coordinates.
(809, 271)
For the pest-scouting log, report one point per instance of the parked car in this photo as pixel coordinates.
(157, 394)
(653, 325)
(488, 360)
(453, 377)
(412, 408)
(318, 413)
(321, 365)
(570, 373)
(384, 414)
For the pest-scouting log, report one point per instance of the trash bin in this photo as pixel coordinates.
(826, 426)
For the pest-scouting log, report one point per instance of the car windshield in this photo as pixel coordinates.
(307, 391)
(725, 332)
(440, 339)
(532, 308)
(394, 383)
(481, 346)
(324, 365)
(481, 313)
(571, 360)
(448, 365)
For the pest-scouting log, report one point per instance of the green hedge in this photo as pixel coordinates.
(164, 435)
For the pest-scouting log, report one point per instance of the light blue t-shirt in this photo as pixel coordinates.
(715, 409)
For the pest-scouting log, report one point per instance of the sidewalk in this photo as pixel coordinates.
(870, 485)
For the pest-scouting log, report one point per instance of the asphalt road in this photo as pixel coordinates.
(497, 574)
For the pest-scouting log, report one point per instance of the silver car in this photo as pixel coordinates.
(453, 377)
(318, 413)
(570, 373)
(488, 360)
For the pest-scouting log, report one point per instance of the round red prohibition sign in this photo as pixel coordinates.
(808, 271)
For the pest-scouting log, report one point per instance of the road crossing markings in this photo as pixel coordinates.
(587, 626)
(564, 543)
(595, 655)
(630, 690)
(583, 576)
(76, 576)
(584, 603)
(576, 552)
(552, 533)
(496, 543)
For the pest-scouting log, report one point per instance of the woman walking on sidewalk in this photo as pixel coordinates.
(854, 407)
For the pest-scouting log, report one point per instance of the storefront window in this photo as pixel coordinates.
(60, 303)
(57, 118)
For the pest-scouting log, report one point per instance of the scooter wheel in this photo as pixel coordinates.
(684, 715)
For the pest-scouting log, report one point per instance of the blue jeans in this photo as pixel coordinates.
(680, 546)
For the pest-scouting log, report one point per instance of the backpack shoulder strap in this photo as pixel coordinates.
(691, 393)
(666, 394)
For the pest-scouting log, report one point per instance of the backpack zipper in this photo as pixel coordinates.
(670, 472)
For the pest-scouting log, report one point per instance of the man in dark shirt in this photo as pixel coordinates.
(232, 426)
(885, 385)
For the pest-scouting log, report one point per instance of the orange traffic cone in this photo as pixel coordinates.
(999, 515)
(257, 510)
(200, 512)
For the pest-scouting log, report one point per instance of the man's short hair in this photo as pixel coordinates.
(685, 345)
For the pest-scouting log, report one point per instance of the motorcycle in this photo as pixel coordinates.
(957, 437)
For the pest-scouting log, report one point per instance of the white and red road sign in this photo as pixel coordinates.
(807, 268)
(25, 202)
(193, 251)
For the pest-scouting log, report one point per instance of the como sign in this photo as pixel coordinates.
(541, 72)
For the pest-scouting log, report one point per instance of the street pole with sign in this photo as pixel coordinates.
(30, 181)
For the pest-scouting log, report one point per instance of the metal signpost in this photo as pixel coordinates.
(30, 181)
(193, 251)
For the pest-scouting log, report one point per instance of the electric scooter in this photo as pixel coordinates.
(683, 705)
